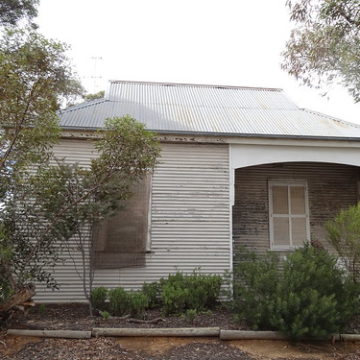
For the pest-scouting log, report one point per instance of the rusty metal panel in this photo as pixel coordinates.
(190, 219)
(206, 109)
(331, 187)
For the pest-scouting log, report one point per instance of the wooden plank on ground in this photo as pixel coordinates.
(250, 335)
(67, 334)
(181, 332)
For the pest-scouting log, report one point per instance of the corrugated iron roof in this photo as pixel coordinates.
(206, 109)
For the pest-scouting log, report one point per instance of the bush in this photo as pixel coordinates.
(344, 235)
(127, 302)
(256, 279)
(190, 315)
(98, 298)
(174, 298)
(153, 293)
(196, 291)
(119, 304)
(315, 298)
(308, 297)
(137, 303)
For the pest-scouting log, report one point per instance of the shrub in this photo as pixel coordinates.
(174, 298)
(204, 291)
(153, 293)
(118, 301)
(137, 303)
(315, 298)
(344, 235)
(98, 298)
(196, 291)
(309, 296)
(256, 279)
(105, 315)
(190, 315)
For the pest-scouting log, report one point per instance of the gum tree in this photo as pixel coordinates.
(324, 47)
(44, 201)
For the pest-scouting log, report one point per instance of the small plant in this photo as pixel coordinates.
(153, 293)
(42, 309)
(174, 298)
(119, 301)
(98, 298)
(137, 303)
(105, 314)
(190, 315)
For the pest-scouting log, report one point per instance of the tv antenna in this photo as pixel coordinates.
(96, 77)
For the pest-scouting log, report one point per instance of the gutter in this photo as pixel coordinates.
(241, 135)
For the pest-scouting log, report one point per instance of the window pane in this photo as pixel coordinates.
(281, 231)
(280, 199)
(297, 196)
(298, 227)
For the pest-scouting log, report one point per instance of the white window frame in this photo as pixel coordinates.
(288, 183)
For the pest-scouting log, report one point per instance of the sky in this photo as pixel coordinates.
(223, 42)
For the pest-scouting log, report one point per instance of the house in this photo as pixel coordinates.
(239, 166)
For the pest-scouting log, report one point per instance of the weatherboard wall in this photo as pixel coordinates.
(190, 220)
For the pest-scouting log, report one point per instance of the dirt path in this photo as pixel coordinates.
(26, 348)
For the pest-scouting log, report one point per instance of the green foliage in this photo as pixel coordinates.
(118, 301)
(98, 298)
(344, 235)
(34, 77)
(308, 297)
(105, 314)
(174, 298)
(98, 95)
(11, 11)
(46, 201)
(195, 291)
(127, 302)
(324, 48)
(190, 315)
(153, 293)
(256, 279)
(42, 309)
(315, 299)
(137, 302)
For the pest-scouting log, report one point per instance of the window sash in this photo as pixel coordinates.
(288, 184)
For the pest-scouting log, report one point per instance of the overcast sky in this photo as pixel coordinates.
(227, 42)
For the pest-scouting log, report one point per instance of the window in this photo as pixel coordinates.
(288, 214)
(123, 239)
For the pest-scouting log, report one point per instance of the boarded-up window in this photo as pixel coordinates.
(122, 239)
(288, 214)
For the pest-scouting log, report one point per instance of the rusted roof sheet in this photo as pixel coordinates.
(206, 109)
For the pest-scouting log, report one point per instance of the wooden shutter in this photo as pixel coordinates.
(122, 238)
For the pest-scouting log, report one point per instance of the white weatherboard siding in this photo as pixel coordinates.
(190, 219)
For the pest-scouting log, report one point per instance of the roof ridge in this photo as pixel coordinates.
(195, 85)
(83, 105)
(333, 118)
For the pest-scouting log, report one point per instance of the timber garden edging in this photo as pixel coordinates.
(168, 332)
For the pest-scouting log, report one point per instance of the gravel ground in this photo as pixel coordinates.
(109, 349)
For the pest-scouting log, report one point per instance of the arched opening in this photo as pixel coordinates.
(278, 206)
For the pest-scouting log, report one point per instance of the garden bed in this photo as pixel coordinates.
(76, 317)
